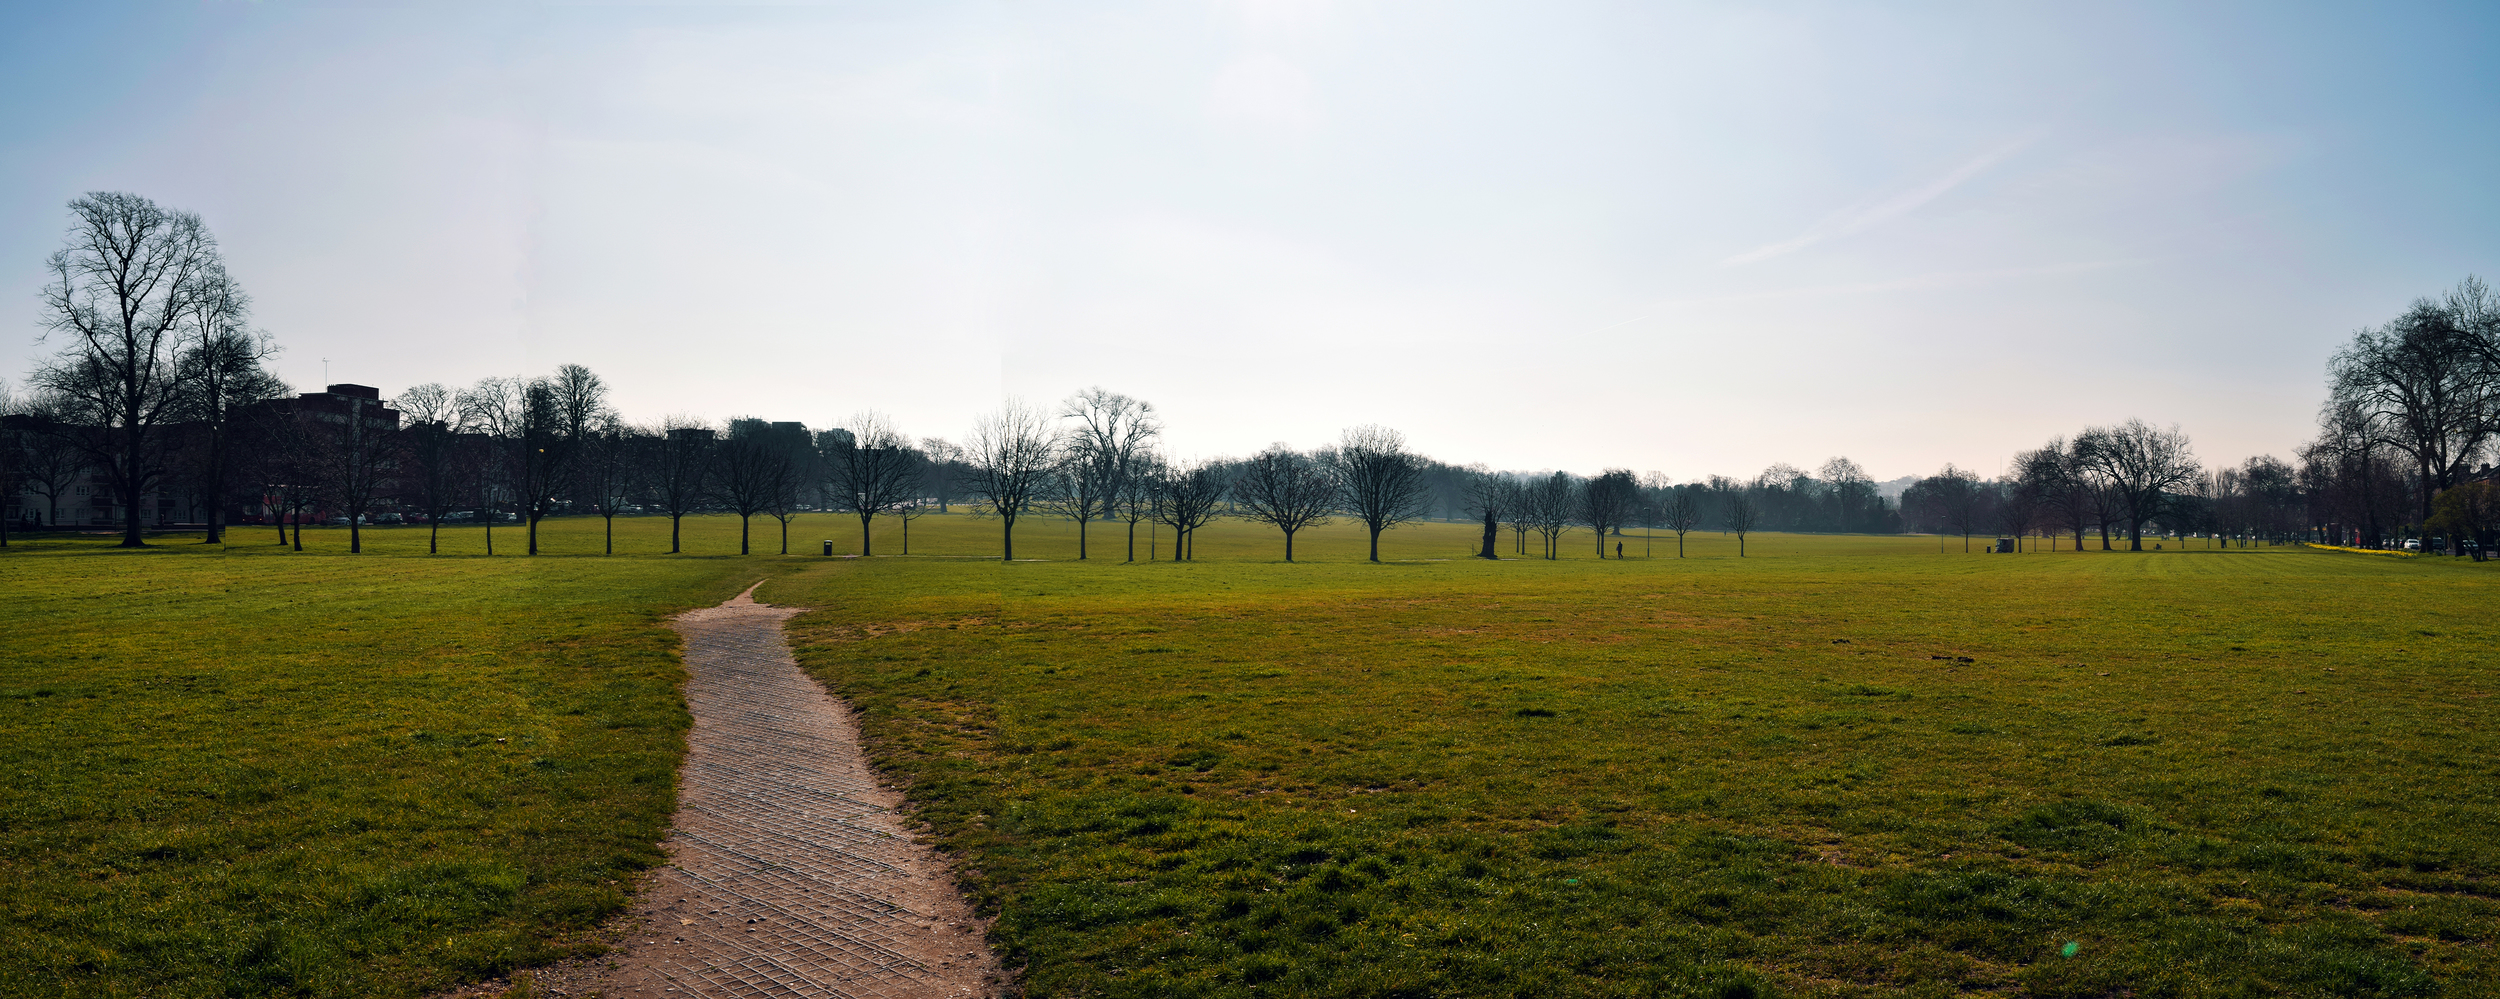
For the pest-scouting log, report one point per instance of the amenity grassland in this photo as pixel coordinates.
(1841, 766)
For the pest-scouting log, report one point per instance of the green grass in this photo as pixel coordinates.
(2257, 772)
(1845, 766)
(249, 774)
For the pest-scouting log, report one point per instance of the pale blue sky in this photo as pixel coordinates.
(1691, 238)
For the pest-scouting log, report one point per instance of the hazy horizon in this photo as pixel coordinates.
(1695, 239)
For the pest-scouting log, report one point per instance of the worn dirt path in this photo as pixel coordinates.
(791, 873)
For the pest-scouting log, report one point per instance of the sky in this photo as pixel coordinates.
(1693, 239)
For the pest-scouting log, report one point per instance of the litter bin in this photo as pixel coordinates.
(828, 549)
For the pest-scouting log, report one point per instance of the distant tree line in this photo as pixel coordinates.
(159, 407)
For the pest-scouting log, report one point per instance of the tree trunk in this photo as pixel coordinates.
(1132, 541)
(1740, 546)
(863, 533)
(1492, 533)
(216, 487)
(299, 530)
(673, 520)
(533, 529)
(433, 535)
(1288, 546)
(1008, 539)
(1375, 542)
(355, 534)
(1080, 539)
(131, 478)
(785, 535)
(611, 519)
(742, 533)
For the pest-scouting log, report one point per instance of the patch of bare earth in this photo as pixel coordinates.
(791, 872)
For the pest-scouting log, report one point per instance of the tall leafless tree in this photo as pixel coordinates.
(2144, 463)
(430, 443)
(874, 470)
(1549, 505)
(945, 471)
(362, 454)
(119, 293)
(1738, 513)
(1607, 502)
(1493, 497)
(1134, 502)
(611, 471)
(221, 372)
(2422, 380)
(1851, 490)
(1682, 514)
(680, 470)
(1289, 490)
(558, 417)
(1010, 454)
(53, 450)
(1108, 434)
(495, 413)
(1382, 480)
(1187, 496)
(752, 473)
(1954, 496)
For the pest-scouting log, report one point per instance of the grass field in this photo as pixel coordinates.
(247, 771)
(2257, 772)
(232, 774)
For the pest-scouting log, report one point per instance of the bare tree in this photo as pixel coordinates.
(429, 420)
(52, 454)
(1739, 514)
(753, 474)
(1135, 499)
(2144, 463)
(1187, 497)
(221, 372)
(120, 292)
(1291, 490)
(1010, 453)
(1549, 509)
(1607, 501)
(2421, 381)
(1493, 497)
(362, 452)
(1100, 451)
(874, 469)
(559, 416)
(680, 469)
(1682, 514)
(1952, 496)
(612, 471)
(945, 470)
(493, 411)
(1382, 480)
(1851, 490)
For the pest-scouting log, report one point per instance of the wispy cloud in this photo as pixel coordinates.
(1863, 216)
(1941, 279)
